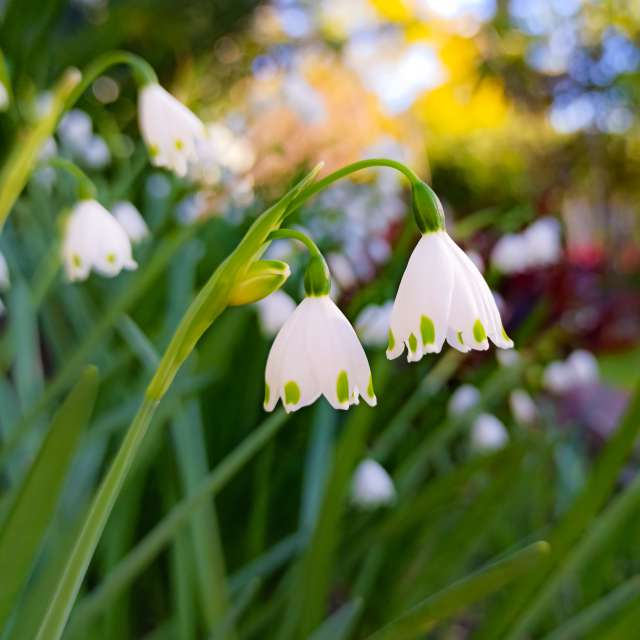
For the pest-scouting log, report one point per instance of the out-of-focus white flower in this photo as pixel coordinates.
(371, 486)
(442, 295)
(94, 239)
(190, 209)
(537, 246)
(488, 433)
(317, 353)
(523, 407)
(95, 153)
(543, 242)
(578, 370)
(274, 311)
(557, 377)
(342, 270)
(4, 97)
(48, 150)
(158, 186)
(170, 130)
(584, 367)
(131, 220)
(510, 254)
(75, 130)
(2, 308)
(5, 280)
(508, 358)
(372, 324)
(463, 399)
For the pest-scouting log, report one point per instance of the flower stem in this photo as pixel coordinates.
(86, 188)
(349, 169)
(294, 234)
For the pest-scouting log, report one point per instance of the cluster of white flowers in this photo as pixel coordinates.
(580, 369)
(539, 245)
(94, 239)
(77, 138)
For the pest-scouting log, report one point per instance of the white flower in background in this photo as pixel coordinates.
(371, 486)
(95, 154)
(303, 99)
(510, 254)
(48, 150)
(317, 352)
(170, 130)
(131, 221)
(580, 369)
(463, 399)
(539, 245)
(341, 270)
(274, 311)
(442, 295)
(5, 281)
(2, 308)
(4, 97)
(523, 407)
(509, 358)
(543, 242)
(584, 368)
(75, 130)
(94, 239)
(557, 377)
(372, 324)
(488, 433)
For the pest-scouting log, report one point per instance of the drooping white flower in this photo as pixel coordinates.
(274, 311)
(131, 221)
(543, 242)
(442, 296)
(317, 353)
(75, 130)
(523, 407)
(95, 153)
(171, 131)
(372, 486)
(5, 281)
(372, 324)
(463, 399)
(488, 433)
(94, 239)
(510, 254)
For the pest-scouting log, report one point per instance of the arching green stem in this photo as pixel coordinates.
(320, 185)
(294, 234)
(86, 189)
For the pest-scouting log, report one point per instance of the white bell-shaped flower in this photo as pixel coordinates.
(317, 353)
(442, 296)
(172, 132)
(274, 311)
(372, 486)
(131, 221)
(94, 239)
(488, 433)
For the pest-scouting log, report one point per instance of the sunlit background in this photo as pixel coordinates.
(523, 116)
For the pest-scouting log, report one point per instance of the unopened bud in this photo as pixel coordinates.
(427, 209)
(262, 278)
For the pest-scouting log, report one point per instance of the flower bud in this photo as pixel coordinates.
(262, 278)
(427, 209)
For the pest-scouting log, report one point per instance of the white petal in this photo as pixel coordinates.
(424, 298)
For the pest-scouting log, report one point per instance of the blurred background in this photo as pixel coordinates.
(523, 115)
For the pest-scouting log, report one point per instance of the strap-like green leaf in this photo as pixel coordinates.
(461, 594)
(36, 499)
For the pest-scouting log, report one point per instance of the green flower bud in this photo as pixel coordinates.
(262, 278)
(427, 209)
(317, 281)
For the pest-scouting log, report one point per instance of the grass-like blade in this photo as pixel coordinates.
(36, 499)
(456, 597)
